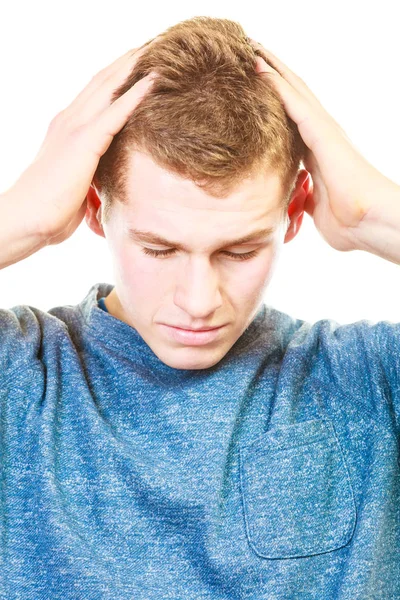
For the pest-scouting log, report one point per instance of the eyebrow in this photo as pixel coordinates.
(153, 238)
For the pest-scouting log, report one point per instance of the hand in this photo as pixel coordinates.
(345, 185)
(52, 191)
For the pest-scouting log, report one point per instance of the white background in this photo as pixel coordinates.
(347, 52)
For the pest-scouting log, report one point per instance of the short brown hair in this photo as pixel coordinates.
(208, 117)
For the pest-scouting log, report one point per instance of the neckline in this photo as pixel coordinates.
(126, 340)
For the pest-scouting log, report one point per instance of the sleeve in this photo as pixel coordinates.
(20, 339)
(364, 363)
(382, 343)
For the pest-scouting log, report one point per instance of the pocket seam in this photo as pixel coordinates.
(333, 441)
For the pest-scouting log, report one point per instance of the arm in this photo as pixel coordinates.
(353, 205)
(379, 231)
(48, 201)
(18, 237)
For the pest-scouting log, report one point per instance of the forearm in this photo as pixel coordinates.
(19, 237)
(379, 231)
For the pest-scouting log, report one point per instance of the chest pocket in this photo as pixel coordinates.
(296, 491)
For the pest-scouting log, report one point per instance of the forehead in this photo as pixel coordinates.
(180, 214)
(151, 186)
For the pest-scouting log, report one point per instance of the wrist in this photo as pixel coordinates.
(379, 230)
(19, 235)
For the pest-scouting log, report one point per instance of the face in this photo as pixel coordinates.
(178, 262)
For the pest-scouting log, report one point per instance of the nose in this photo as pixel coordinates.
(197, 290)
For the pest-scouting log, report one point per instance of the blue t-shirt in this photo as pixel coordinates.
(273, 475)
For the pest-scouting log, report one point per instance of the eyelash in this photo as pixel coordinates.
(160, 253)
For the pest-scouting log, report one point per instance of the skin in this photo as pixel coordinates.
(353, 206)
(201, 286)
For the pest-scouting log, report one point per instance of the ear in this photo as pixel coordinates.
(93, 211)
(300, 194)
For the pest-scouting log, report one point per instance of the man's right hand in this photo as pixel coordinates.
(49, 198)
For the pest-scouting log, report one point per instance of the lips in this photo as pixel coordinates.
(201, 329)
(192, 337)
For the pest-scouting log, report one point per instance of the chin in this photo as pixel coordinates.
(191, 363)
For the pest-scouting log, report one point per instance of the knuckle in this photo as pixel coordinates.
(77, 133)
(66, 123)
(98, 77)
(56, 120)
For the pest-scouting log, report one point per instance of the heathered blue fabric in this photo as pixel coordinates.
(273, 475)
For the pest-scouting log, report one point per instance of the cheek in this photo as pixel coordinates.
(251, 284)
(139, 275)
(151, 278)
(260, 269)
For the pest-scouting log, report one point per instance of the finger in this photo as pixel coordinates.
(111, 120)
(313, 122)
(296, 105)
(297, 82)
(99, 77)
(264, 67)
(97, 94)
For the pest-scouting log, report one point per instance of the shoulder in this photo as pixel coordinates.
(23, 331)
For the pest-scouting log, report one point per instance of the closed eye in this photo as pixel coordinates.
(235, 256)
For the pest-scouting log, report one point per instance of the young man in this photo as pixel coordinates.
(172, 436)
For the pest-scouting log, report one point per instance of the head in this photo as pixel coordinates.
(208, 158)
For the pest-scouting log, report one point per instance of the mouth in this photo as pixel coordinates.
(190, 337)
(200, 329)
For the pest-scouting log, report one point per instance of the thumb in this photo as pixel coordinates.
(72, 226)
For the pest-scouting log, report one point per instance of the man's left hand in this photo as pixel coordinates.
(347, 190)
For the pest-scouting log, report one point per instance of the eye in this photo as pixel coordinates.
(151, 252)
(235, 256)
(243, 256)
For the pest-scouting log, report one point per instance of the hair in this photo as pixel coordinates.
(209, 117)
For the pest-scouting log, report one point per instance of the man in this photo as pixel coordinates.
(172, 436)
